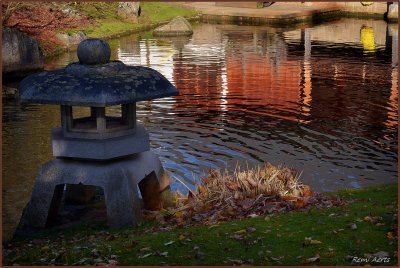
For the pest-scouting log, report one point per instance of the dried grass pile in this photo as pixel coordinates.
(245, 193)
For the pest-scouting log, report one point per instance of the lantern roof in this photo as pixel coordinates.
(95, 81)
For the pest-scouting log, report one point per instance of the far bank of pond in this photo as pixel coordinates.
(278, 15)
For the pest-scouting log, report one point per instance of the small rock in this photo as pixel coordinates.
(129, 11)
(71, 39)
(178, 26)
(20, 53)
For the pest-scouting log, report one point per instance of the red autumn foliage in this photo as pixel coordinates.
(41, 21)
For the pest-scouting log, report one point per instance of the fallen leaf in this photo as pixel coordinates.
(80, 262)
(96, 252)
(390, 235)
(246, 203)
(202, 189)
(380, 254)
(181, 237)
(236, 261)
(45, 248)
(145, 249)
(251, 229)
(164, 254)
(237, 237)
(353, 226)
(276, 259)
(169, 243)
(300, 202)
(313, 259)
(307, 191)
(368, 218)
(231, 211)
(178, 214)
(145, 256)
(112, 262)
(241, 231)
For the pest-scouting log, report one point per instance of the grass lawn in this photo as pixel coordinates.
(108, 23)
(319, 237)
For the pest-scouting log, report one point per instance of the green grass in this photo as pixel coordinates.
(108, 27)
(274, 240)
(107, 22)
(154, 12)
(98, 10)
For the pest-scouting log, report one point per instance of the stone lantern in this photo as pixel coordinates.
(98, 149)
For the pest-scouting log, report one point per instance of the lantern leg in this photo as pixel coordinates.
(45, 200)
(150, 190)
(122, 201)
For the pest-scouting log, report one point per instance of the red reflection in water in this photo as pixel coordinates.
(298, 83)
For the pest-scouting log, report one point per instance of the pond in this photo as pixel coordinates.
(322, 99)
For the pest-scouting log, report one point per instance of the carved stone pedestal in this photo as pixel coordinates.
(121, 181)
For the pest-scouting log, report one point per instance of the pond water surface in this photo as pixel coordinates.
(322, 99)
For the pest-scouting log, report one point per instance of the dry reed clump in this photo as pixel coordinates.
(267, 181)
(245, 193)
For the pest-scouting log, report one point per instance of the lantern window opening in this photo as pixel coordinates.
(125, 119)
(98, 121)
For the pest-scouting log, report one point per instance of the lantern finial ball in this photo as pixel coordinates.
(93, 51)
